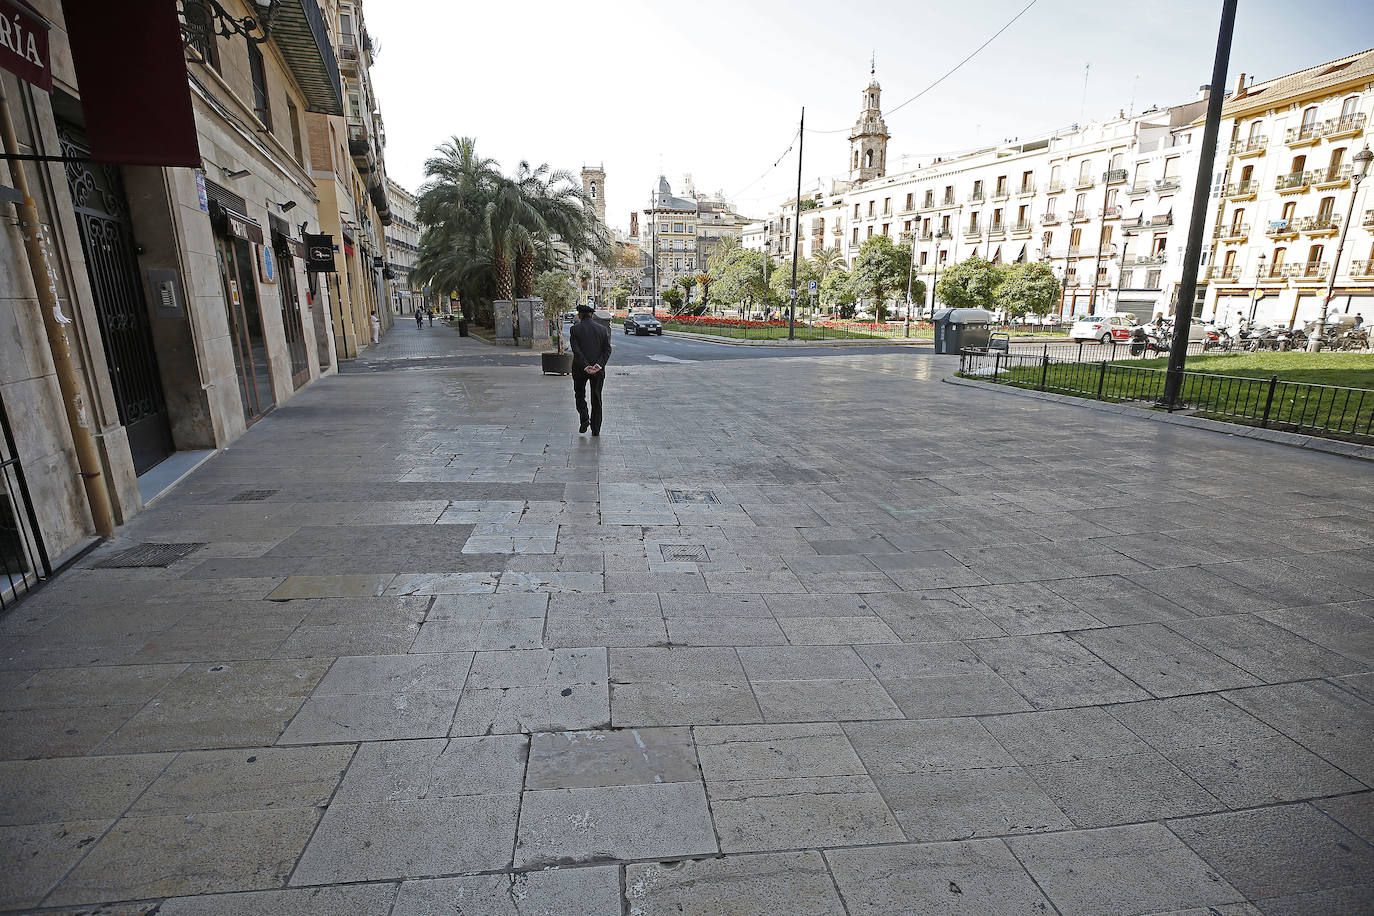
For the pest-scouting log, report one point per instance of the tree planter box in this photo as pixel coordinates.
(556, 363)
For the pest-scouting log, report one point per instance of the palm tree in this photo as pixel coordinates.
(687, 283)
(454, 256)
(553, 207)
(720, 253)
(704, 281)
(827, 259)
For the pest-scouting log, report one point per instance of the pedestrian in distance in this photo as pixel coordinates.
(591, 347)
(419, 318)
(429, 312)
(376, 328)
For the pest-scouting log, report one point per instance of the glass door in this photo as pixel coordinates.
(245, 326)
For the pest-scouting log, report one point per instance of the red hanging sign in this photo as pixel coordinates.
(24, 44)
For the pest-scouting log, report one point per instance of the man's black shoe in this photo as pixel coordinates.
(584, 426)
(596, 432)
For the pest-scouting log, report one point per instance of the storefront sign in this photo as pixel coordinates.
(240, 226)
(24, 44)
(319, 254)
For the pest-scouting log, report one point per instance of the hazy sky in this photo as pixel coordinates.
(714, 87)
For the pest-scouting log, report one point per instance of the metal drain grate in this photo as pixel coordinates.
(253, 496)
(684, 553)
(145, 555)
(693, 497)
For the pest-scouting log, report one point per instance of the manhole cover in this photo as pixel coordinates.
(693, 497)
(684, 553)
(252, 496)
(160, 555)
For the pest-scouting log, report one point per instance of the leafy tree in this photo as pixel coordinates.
(780, 279)
(739, 277)
(556, 288)
(672, 297)
(969, 284)
(837, 291)
(808, 203)
(826, 260)
(1029, 287)
(620, 293)
(879, 271)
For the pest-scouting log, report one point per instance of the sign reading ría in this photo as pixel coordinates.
(24, 44)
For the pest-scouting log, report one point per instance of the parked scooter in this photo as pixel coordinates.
(1148, 339)
(1218, 339)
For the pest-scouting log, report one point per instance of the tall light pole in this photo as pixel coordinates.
(653, 235)
(1254, 292)
(796, 235)
(911, 269)
(1101, 236)
(1361, 163)
(1187, 288)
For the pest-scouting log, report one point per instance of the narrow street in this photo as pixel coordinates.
(802, 632)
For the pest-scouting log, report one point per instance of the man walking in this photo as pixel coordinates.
(591, 347)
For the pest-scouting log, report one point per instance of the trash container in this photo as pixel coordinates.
(958, 329)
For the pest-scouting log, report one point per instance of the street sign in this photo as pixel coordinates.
(792, 293)
(811, 286)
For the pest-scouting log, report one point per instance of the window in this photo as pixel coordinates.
(1054, 175)
(908, 200)
(255, 70)
(1106, 236)
(924, 254)
(1171, 168)
(677, 263)
(1289, 211)
(997, 219)
(1349, 106)
(868, 159)
(1085, 170)
(201, 31)
(973, 222)
(886, 228)
(856, 161)
(593, 190)
(1279, 255)
(1022, 215)
(1117, 161)
(1309, 119)
(930, 198)
(870, 209)
(978, 190)
(1237, 220)
(1049, 206)
(1152, 279)
(1080, 205)
(294, 117)
(1255, 128)
(1126, 279)
(949, 193)
(1230, 260)
(906, 227)
(1314, 255)
(1247, 173)
(943, 256)
(662, 227)
(1002, 185)
(1027, 179)
(887, 205)
(855, 240)
(1075, 237)
(677, 227)
(870, 233)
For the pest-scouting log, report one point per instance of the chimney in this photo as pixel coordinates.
(1240, 86)
(1203, 93)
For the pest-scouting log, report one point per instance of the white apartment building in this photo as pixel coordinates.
(1106, 205)
(402, 248)
(1283, 190)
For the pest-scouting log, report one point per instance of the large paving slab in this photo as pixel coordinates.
(802, 632)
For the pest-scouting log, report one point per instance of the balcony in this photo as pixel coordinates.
(1242, 190)
(1149, 260)
(1141, 186)
(1026, 190)
(973, 232)
(1170, 183)
(1362, 268)
(1074, 251)
(1294, 183)
(929, 202)
(1368, 222)
(926, 236)
(976, 197)
(910, 207)
(299, 34)
(1141, 224)
(1084, 181)
(1233, 233)
(1114, 176)
(1255, 146)
(1335, 176)
(1054, 187)
(997, 231)
(948, 201)
(1319, 226)
(944, 235)
(1226, 273)
(1113, 212)
(1022, 228)
(1049, 219)
(1281, 229)
(1001, 194)
(1306, 135)
(360, 147)
(1078, 216)
(1348, 126)
(1306, 273)
(348, 53)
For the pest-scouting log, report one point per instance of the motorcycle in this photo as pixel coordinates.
(1148, 340)
(1218, 339)
(1260, 339)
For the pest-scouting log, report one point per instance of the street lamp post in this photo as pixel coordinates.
(1361, 162)
(653, 235)
(911, 269)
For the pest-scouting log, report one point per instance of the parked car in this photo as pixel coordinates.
(643, 323)
(1102, 328)
(570, 315)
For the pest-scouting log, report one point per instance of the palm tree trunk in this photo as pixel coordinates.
(524, 273)
(500, 266)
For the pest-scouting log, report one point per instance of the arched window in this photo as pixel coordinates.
(856, 159)
(1237, 220)
(1309, 119)
(593, 190)
(868, 159)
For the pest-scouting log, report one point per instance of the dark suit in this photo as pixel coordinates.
(591, 346)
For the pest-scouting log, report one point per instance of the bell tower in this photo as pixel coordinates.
(594, 184)
(868, 140)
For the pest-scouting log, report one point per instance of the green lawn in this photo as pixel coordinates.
(804, 332)
(1224, 388)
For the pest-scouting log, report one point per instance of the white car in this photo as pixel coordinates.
(1102, 328)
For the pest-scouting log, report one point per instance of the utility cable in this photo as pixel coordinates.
(947, 74)
(777, 162)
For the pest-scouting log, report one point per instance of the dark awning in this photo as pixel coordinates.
(282, 241)
(236, 224)
(298, 31)
(131, 70)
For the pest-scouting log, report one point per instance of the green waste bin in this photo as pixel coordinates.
(959, 329)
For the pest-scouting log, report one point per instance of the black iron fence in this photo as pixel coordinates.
(1321, 410)
(23, 557)
(1091, 351)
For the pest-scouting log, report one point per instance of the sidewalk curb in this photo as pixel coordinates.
(737, 342)
(1278, 437)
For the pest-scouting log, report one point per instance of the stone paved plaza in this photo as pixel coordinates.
(796, 636)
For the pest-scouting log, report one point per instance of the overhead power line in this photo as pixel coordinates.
(776, 162)
(948, 73)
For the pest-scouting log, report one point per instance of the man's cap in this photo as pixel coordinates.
(585, 309)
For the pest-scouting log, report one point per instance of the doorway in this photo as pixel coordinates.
(292, 327)
(102, 216)
(245, 326)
